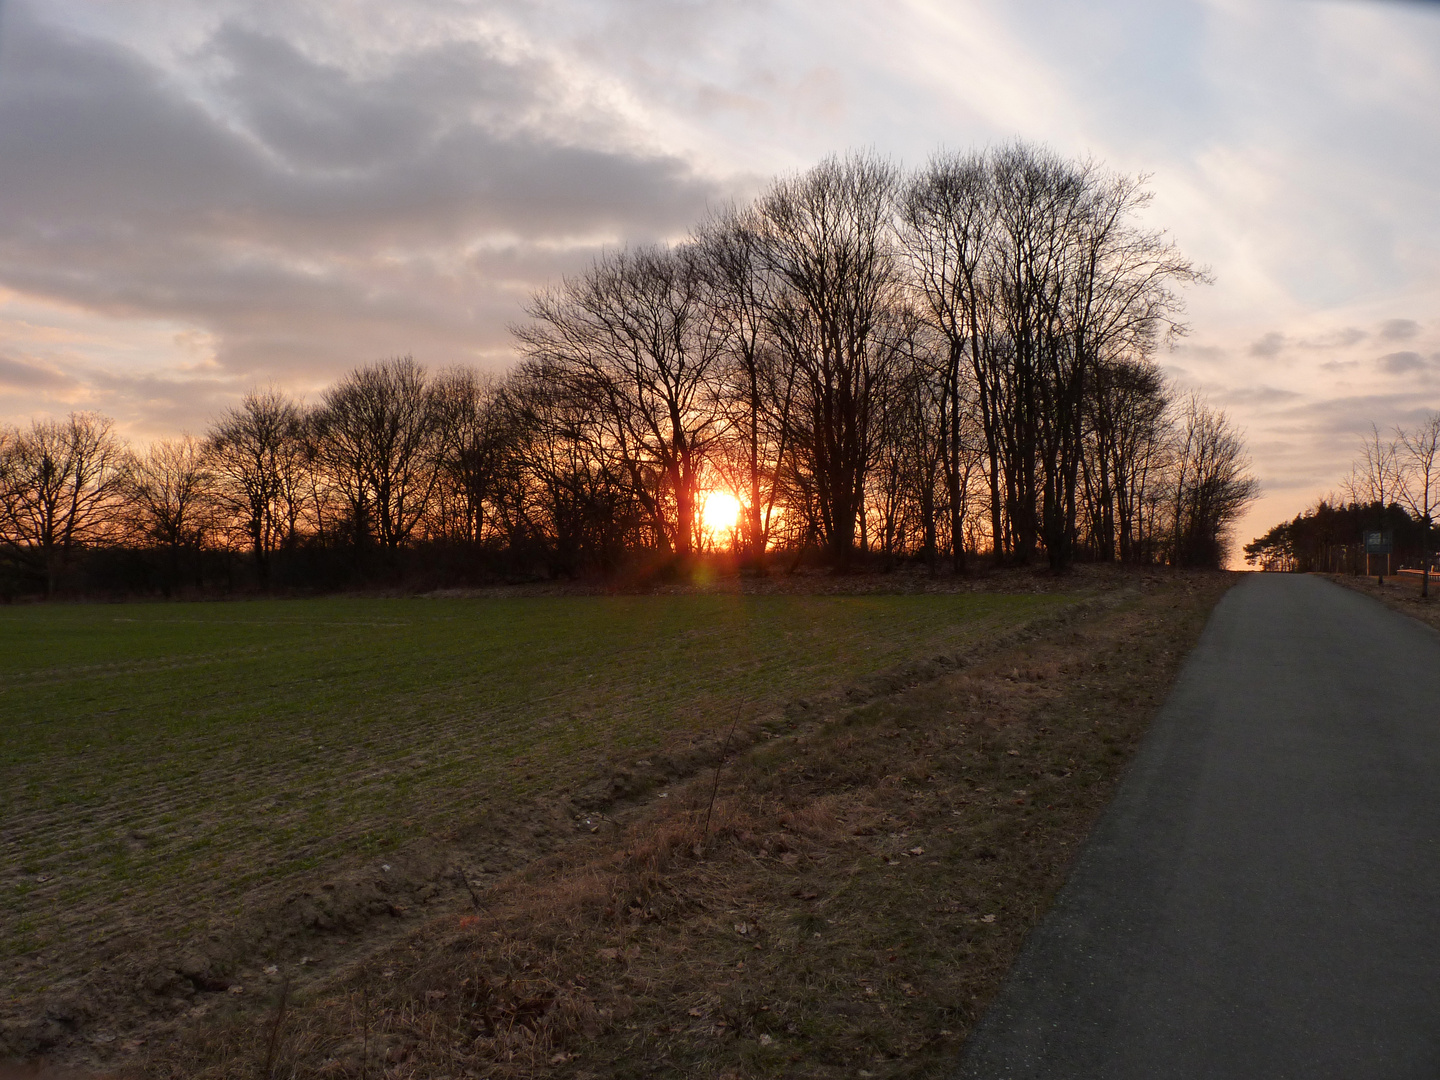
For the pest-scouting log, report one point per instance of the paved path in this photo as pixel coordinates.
(1262, 899)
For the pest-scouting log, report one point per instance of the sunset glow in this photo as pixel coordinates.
(287, 191)
(720, 512)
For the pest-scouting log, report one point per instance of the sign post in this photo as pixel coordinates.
(1379, 543)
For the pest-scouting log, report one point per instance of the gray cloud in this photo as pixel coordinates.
(1337, 339)
(21, 375)
(1259, 396)
(1399, 329)
(308, 216)
(1269, 345)
(1403, 363)
(1335, 423)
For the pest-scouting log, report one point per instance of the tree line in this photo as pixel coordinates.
(1393, 487)
(936, 364)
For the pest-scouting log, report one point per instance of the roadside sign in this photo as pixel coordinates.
(1379, 543)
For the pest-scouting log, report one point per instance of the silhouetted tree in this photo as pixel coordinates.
(171, 494)
(258, 451)
(382, 433)
(1211, 485)
(828, 236)
(1419, 458)
(757, 381)
(60, 488)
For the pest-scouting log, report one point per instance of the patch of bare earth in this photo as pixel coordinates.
(844, 902)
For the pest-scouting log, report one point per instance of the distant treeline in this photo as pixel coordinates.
(935, 365)
(1393, 486)
(1329, 538)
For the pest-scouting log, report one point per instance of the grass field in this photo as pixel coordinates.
(849, 908)
(159, 762)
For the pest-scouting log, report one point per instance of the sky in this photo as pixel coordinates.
(199, 198)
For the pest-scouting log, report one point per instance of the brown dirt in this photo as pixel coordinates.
(865, 880)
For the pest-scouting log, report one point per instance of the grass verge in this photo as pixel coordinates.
(866, 879)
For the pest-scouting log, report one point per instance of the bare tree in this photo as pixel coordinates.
(1128, 431)
(475, 443)
(258, 453)
(1419, 485)
(381, 433)
(1375, 475)
(1375, 478)
(828, 236)
(946, 217)
(756, 384)
(1211, 485)
(631, 336)
(171, 491)
(60, 484)
(860, 357)
(559, 492)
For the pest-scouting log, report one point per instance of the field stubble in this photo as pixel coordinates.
(868, 873)
(194, 794)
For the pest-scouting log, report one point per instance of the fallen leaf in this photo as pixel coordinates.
(237, 989)
(272, 969)
(987, 918)
(436, 995)
(917, 851)
(766, 1040)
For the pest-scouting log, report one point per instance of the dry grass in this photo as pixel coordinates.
(866, 880)
(190, 793)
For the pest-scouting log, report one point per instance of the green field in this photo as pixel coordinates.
(159, 761)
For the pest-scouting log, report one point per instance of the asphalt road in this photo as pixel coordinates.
(1262, 899)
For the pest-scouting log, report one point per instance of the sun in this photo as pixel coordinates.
(719, 512)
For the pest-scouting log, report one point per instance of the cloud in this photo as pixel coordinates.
(306, 215)
(22, 375)
(1399, 329)
(1336, 339)
(1259, 396)
(1209, 354)
(1402, 363)
(1269, 345)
